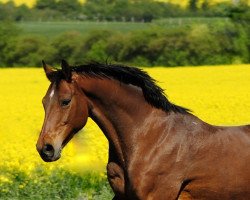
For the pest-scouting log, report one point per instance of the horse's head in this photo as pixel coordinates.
(66, 112)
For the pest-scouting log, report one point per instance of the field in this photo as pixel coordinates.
(52, 29)
(217, 94)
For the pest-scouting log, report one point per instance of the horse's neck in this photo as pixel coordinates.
(119, 110)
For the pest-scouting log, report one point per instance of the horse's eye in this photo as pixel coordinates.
(65, 102)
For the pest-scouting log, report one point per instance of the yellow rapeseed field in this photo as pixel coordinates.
(217, 94)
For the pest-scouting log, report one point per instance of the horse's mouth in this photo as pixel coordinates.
(57, 153)
(51, 153)
(50, 158)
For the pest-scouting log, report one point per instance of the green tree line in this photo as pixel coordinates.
(112, 10)
(195, 44)
(198, 44)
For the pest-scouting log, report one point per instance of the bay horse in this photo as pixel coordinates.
(157, 150)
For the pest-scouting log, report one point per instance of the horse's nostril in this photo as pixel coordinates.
(48, 147)
(48, 150)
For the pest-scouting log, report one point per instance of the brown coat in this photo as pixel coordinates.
(157, 150)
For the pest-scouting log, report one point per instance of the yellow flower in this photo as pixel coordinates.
(216, 94)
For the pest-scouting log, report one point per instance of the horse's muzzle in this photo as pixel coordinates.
(47, 153)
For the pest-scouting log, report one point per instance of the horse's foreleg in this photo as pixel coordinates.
(116, 180)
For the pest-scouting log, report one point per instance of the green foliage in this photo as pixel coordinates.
(240, 15)
(125, 10)
(28, 51)
(42, 183)
(110, 10)
(7, 11)
(122, 10)
(45, 4)
(65, 45)
(193, 5)
(68, 7)
(92, 48)
(200, 43)
(8, 32)
(10, 12)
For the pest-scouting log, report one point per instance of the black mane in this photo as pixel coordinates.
(153, 94)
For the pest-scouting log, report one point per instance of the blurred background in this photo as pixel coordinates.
(138, 32)
(198, 50)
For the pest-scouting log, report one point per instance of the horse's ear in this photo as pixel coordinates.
(49, 71)
(66, 70)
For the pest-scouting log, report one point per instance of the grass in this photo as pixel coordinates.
(190, 21)
(54, 184)
(52, 29)
(217, 94)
